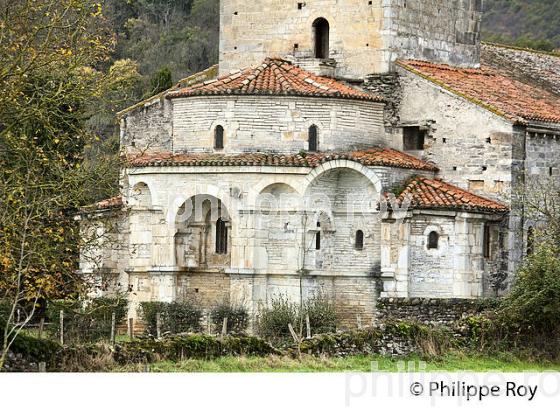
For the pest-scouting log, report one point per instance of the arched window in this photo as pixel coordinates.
(221, 237)
(359, 240)
(433, 240)
(219, 137)
(530, 241)
(321, 34)
(313, 138)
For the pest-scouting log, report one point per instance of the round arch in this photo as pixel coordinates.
(341, 164)
(141, 195)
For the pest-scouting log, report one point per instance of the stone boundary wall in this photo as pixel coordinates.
(430, 311)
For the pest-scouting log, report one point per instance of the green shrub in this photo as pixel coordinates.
(273, 320)
(237, 318)
(86, 322)
(176, 317)
(322, 314)
(196, 346)
(148, 311)
(36, 350)
(534, 302)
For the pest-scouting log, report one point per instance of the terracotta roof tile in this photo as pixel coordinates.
(517, 101)
(275, 77)
(427, 193)
(111, 203)
(370, 157)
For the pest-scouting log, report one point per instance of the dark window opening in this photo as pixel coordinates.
(219, 137)
(486, 241)
(413, 138)
(359, 240)
(530, 241)
(313, 139)
(321, 32)
(433, 240)
(318, 237)
(221, 237)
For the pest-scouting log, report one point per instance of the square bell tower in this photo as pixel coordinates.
(349, 39)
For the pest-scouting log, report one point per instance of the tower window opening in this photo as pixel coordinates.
(321, 33)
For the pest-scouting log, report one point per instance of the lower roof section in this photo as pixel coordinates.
(385, 157)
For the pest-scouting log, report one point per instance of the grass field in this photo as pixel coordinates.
(448, 363)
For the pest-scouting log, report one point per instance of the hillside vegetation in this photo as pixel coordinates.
(524, 23)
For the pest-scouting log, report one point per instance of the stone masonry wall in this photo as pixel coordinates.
(269, 123)
(472, 147)
(429, 311)
(443, 31)
(148, 128)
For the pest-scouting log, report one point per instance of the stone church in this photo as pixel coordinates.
(362, 149)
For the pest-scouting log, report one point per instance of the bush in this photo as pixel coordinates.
(237, 318)
(534, 302)
(322, 314)
(35, 350)
(176, 317)
(273, 321)
(89, 321)
(190, 347)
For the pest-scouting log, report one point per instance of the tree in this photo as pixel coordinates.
(52, 77)
(161, 80)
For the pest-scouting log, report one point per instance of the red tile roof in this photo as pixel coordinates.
(107, 204)
(427, 193)
(275, 77)
(517, 101)
(370, 157)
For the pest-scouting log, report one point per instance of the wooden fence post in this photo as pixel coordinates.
(62, 327)
(158, 325)
(308, 324)
(224, 326)
(131, 328)
(113, 327)
(41, 327)
(42, 367)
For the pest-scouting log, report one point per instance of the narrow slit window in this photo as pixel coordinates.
(486, 241)
(359, 240)
(221, 237)
(318, 237)
(219, 137)
(313, 139)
